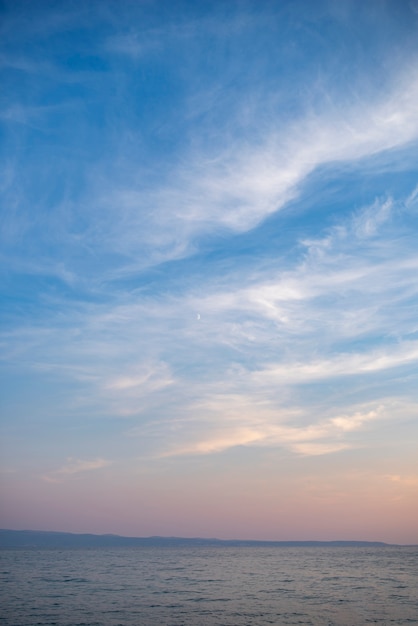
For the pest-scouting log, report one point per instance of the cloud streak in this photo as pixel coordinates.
(246, 424)
(73, 467)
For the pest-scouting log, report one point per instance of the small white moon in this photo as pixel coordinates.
(198, 316)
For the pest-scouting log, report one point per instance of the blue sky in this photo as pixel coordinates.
(209, 268)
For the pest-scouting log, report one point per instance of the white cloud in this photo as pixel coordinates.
(340, 365)
(367, 222)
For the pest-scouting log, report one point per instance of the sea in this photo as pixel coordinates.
(208, 585)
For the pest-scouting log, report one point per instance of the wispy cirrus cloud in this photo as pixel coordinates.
(269, 327)
(75, 466)
(233, 186)
(341, 365)
(236, 185)
(239, 421)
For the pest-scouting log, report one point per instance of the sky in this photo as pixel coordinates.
(209, 268)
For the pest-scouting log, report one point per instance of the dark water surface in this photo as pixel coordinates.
(201, 586)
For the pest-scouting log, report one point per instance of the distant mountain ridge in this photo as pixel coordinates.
(50, 539)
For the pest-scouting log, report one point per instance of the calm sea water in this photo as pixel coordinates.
(201, 586)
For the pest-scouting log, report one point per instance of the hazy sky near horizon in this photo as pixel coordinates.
(209, 261)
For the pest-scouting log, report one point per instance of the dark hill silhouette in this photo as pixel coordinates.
(46, 539)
